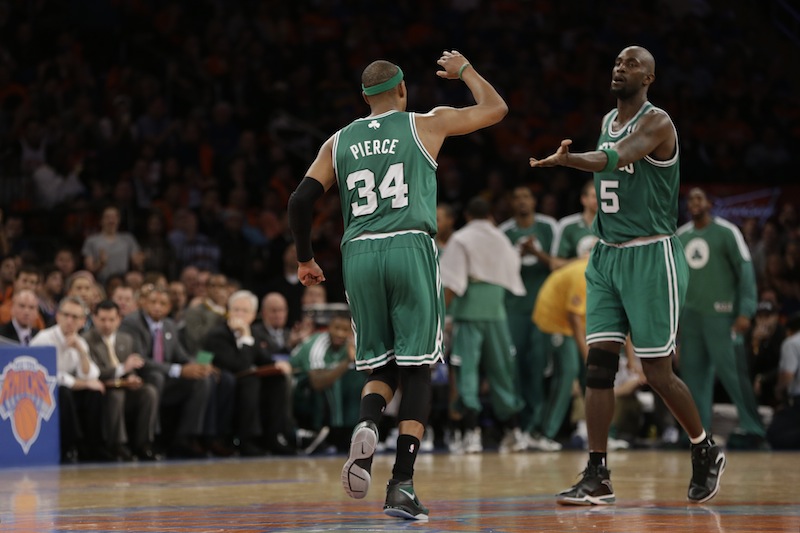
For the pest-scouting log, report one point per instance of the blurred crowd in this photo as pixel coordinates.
(149, 144)
(201, 117)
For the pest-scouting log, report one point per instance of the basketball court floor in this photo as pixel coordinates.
(472, 493)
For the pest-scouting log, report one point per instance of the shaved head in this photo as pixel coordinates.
(378, 72)
(644, 56)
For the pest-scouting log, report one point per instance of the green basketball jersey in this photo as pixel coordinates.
(572, 230)
(387, 180)
(532, 271)
(640, 199)
(316, 354)
(721, 278)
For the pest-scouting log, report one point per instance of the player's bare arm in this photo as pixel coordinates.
(654, 135)
(442, 122)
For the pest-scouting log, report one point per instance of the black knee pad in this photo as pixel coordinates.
(416, 388)
(388, 374)
(601, 368)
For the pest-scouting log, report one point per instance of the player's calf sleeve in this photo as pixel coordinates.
(416, 386)
(601, 368)
(388, 374)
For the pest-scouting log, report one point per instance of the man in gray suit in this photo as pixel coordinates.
(179, 381)
(126, 394)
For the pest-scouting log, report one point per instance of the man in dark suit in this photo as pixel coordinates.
(273, 328)
(179, 381)
(261, 400)
(24, 310)
(126, 393)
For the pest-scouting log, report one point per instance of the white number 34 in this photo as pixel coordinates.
(392, 186)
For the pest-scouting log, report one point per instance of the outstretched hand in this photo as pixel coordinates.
(559, 158)
(309, 273)
(451, 62)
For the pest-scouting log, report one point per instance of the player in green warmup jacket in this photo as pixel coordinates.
(720, 302)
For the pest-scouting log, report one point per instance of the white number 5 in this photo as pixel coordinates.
(609, 201)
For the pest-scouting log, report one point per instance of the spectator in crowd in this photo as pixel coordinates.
(193, 248)
(82, 284)
(281, 339)
(763, 346)
(64, 260)
(22, 326)
(50, 291)
(190, 277)
(8, 273)
(134, 279)
(262, 412)
(125, 299)
(288, 285)
(127, 397)
(181, 382)
(27, 277)
(157, 252)
(178, 300)
(200, 319)
(784, 432)
(111, 251)
(79, 389)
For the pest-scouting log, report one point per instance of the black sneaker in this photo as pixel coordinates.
(594, 488)
(356, 471)
(402, 501)
(708, 464)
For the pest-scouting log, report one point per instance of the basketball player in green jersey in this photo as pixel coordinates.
(637, 274)
(385, 167)
(532, 234)
(573, 229)
(720, 302)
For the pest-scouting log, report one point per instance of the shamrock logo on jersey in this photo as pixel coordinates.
(374, 125)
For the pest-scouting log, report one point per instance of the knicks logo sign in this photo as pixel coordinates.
(26, 397)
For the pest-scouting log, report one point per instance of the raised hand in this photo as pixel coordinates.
(559, 158)
(451, 62)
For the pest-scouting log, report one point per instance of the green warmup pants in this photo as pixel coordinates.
(532, 348)
(708, 348)
(486, 346)
(566, 368)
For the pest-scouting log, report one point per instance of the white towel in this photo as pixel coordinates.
(480, 252)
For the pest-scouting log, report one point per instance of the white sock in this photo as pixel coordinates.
(698, 440)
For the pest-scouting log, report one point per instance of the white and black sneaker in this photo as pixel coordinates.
(356, 471)
(594, 488)
(708, 464)
(402, 501)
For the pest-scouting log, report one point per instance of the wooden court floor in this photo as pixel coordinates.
(475, 493)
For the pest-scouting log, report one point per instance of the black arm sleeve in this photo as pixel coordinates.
(301, 210)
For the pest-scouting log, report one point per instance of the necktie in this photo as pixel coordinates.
(26, 339)
(158, 345)
(112, 353)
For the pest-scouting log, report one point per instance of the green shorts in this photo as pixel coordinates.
(636, 289)
(394, 290)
